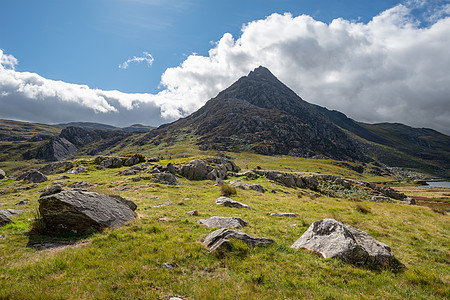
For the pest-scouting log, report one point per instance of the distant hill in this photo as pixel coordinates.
(100, 126)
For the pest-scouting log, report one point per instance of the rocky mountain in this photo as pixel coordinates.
(259, 113)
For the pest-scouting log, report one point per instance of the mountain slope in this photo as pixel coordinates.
(261, 114)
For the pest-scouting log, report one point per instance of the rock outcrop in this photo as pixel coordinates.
(165, 178)
(220, 239)
(333, 239)
(195, 169)
(248, 186)
(56, 167)
(228, 202)
(77, 170)
(32, 176)
(224, 222)
(79, 211)
(111, 162)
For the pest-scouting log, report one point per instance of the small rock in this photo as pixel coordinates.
(154, 197)
(62, 177)
(192, 213)
(77, 170)
(136, 179)
(80, 184)
(409, 201)
(221, 222)
(2, 174)
(11, 212)
(219, 239)
(23, 202)
(51, 190)
(32, 176)
(4, 220)
(168, 266)
(163, 204)
(225, 201)
(288, 215)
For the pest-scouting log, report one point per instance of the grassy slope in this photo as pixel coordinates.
(127, 262)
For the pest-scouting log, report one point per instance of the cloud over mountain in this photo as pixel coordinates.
(390, 69)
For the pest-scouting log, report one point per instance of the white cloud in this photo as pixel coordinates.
(7, 60)
(389, 69)
(147, 57)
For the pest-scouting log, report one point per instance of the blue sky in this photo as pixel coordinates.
(178, 44)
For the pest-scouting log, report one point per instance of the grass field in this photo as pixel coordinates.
(129, 262)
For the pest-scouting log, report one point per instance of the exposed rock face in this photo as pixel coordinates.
(333, 239)
(225, 201)
(220, 222)
(195, 169)
(2, 174)
(290, 179)
(220, 238)
(288, 215)
(77, 170)
(56, 167)
(165, 178)
(81, 211)
(112, 162)
(248, 186)
(390, 192)
(51, 190)
(56, 149)
(227, 163)
(32, 176)
(134, 160)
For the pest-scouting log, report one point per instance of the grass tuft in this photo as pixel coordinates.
(227, 190)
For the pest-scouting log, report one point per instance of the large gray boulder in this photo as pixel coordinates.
(195, 169)
(32, 176)
(165, 178)
(2, 174)
(80, 211)
(228, 202)
(221, 222)
(111, 162)
(219, 239)
(333, 239)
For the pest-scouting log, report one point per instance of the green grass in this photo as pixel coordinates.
(127, 263)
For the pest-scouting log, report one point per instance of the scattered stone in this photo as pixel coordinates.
(219, 239)
(79, 211)
(80, 184)
(112, 162)
(247, 186)
(225, 201)
(77, 170)
(273, 191)
(32, 176)
(195, 169)
(163, 204)
(23, 202)
(62, 177)
(168, 266)
(287, 215)
(153, 159)
(4, 220)
(333, 239)
(192, 213)
(56, 167)
(51, 190)
(220, 222)
(154, 197)
(381, 199)
(409, 201)
(175, 298)
(2, 174)
(11, 212)
(165, 178)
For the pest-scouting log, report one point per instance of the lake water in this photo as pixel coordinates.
(441, 184)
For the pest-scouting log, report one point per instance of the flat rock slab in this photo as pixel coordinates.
(228, 202)
(221, 222)
(163, 204)
(219, 239)
(80, 211)
(10, 212)
(333, 239)
(287, 215)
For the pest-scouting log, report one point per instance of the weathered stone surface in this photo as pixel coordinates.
(56, 167)
(409, 201)
(227, 163)
(220, 222)
(32, 176)
(128, 203)
(133, 160)
(2, 174)
(77, 170)
(381, 199)
(81, 211)
(165, 178)
(219, 239)
(112, 162)
(171, 168)
(288, 215)
(4, 220)
(80, 184)
(11, 212)
(51, 190)
(195, 169)
(333, 239)
(193, 213)
(228, 202)
(248, 186)
(390, 192)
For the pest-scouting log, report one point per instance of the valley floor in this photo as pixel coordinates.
(160, 254)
